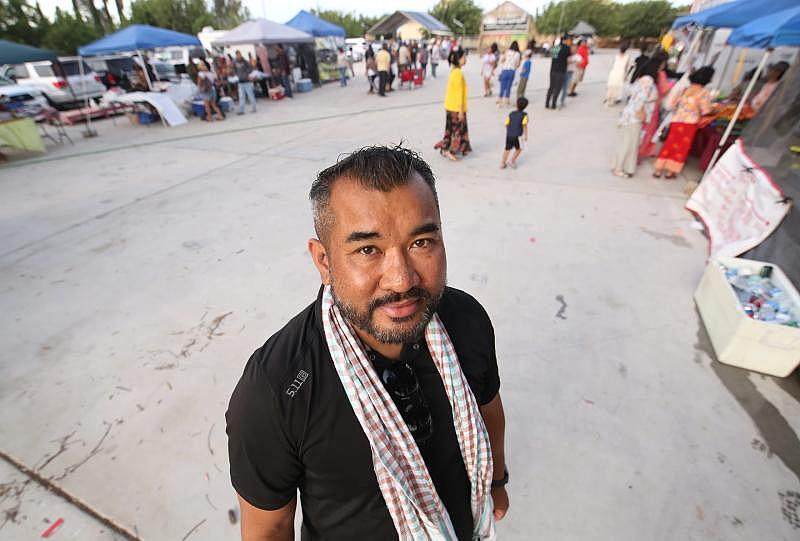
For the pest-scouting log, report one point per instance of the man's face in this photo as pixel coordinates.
(386, 258)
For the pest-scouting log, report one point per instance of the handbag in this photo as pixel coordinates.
(663, 129)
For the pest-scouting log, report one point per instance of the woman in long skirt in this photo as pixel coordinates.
(692, 104)
(637, 111)
(617, 75)
(648, 148)
(456, 133)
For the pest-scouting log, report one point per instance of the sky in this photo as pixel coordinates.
(282, 11)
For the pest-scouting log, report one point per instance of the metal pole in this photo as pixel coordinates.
(89, 131)
(727, 63)
(738, 111)
(692, 47)
(144, 67)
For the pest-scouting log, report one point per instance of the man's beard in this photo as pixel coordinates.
(364, 320)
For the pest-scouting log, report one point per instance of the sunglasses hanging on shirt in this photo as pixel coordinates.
(401, 382)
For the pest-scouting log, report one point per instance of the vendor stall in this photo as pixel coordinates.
(328, 37)
(20, 133)
(136, 38)
(299, 45)
(746, 199)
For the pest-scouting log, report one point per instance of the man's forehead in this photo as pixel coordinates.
(350, 201)
(350, 189)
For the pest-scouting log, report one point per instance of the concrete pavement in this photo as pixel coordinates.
(139, 270)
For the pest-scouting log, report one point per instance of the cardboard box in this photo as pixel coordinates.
(738, 340)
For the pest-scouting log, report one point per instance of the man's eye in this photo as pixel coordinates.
(422, 243)
(367, 250)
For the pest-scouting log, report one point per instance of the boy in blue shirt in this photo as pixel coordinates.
(516, 126)
(524, 73)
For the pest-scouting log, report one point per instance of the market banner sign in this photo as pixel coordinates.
(738, 203)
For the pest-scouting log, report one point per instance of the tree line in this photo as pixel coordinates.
(640, 19)
(23, 22)
(88, 20)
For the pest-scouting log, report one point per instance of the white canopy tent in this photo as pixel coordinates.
(263, 31)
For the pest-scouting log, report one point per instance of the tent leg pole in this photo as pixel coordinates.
(727, 63)
(736, 113)
(149, 82)
(693, 49)
(89, 131)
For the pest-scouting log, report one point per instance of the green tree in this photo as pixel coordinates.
(354, 25)
(188, 16)
(466, 12)
(67, 33)
(229, 13)
(645, 19)
(21, 22)
(602, 14)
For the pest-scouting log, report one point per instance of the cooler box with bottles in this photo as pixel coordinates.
(751, 311)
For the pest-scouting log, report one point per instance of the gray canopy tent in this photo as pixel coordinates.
(265, 32)
(583, 29)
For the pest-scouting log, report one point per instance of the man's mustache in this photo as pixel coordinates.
(413, 293)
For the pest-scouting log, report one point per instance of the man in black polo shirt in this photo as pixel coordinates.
(361, 400)
(558, 70)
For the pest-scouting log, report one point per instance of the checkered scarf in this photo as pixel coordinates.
(415, 507)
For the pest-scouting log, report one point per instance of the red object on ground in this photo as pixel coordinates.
(418, 78)
(53, 527)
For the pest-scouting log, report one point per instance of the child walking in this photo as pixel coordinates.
(524, 73)
(516, 126)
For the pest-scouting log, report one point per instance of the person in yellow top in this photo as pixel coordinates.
(456, 134)
(383, 61)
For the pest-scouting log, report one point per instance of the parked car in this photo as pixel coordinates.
(164, 71)
(359, 46)
(24, 99)
(114, 70)
(59, 91)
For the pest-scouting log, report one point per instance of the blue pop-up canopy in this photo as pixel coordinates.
(774, 30)
(311, 24)
(136, 37)
(734, 14)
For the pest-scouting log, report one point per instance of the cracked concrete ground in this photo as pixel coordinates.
(139, 269)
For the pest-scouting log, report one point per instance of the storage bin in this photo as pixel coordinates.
(738, 340)
(226, 104)
(304, 85)
(146, 118)
(198, 108)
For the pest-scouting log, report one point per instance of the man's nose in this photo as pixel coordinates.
(399, 274)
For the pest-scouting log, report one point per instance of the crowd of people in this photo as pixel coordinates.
(403, 61)
(240, 78)
(664, 107)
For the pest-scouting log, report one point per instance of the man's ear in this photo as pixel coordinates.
(320, 257)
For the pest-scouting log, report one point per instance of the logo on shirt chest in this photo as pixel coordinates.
(297, 383)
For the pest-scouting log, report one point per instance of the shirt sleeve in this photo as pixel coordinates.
(265, 469)
(508, 121)
(491, 385)
(525, 120)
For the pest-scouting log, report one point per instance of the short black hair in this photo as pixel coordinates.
(380, 168)
(702, 76)
(514, 46)
(455, 56)
(522, 103)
